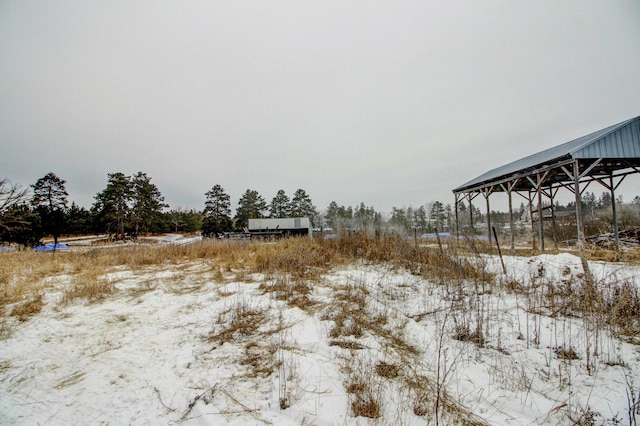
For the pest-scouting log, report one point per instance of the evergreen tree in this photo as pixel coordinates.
(50, 203)
(605, 200)
(148, 204)
(436, 215)
(179, 220)
(420, 218)
(77, 220)
(21, 226)
(112, 207)
(366, 218)
(449, 216)
(250, 206)
(331, 216)
(398, 217)
(301, 205)
(217, 212)
(280, 205)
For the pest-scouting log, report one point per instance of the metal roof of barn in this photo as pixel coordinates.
(617, 145)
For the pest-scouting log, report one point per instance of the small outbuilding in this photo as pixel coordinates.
(280, 227)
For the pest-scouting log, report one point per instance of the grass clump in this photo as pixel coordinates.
(390, 371)
(26, 309)
(365, 405)
(89, 287)
(238, 323)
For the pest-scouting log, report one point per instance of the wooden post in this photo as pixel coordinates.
(457, 219)
(615, 215)
(580, 228)
(553, 220)
(486, 197)
(540, 212)
(471, 227)
(439, 242)
(511, 222)
(504, 270)
(533, 227)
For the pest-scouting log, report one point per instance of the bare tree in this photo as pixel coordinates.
(10, 196)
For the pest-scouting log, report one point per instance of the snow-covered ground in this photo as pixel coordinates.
(170, 346)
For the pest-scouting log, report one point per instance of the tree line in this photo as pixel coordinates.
(130, 206)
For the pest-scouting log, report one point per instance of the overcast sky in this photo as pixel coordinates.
(390, 103)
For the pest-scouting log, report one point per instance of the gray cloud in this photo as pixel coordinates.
(382, 102)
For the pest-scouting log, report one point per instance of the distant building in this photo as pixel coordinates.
(280, 227)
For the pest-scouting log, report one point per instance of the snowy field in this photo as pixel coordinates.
(200, 343)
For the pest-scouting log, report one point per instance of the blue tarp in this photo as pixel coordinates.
(52, 247)
(433, 235)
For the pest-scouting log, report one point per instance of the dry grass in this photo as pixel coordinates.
(365, 405)
(238, 324)
(88, 286)
(390, 371)
(292, 268)
(294, 293)
(28, 308)
(346, 344)
(259, 356)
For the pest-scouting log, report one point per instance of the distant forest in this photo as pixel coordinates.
(132, 206)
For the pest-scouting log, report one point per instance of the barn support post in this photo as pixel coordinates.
(540, 212)
(553, 219)
(472, 230)
(613, 211)
(533, 227)
(612, 186)
(537, 185)
(579, 224)
(509, 189)
(486, 194)
(457, 200)
(511, 222)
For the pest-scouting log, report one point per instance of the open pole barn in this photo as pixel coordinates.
(607, 157)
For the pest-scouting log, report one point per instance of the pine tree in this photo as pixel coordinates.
(20, 225)
(280, 205)
(50, 203)
(332, 216)
(398, 217)
(217, 212)
(420, 218)
(250, 206)
(148, 204)
(77, 220)
(436, 215)
(113, 205)
(365, 217)
(301, 205)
